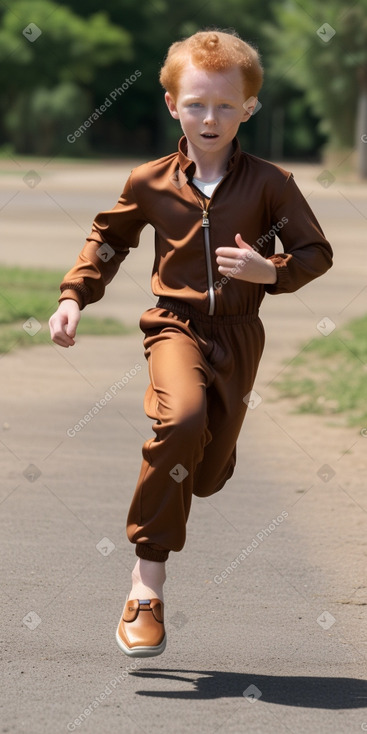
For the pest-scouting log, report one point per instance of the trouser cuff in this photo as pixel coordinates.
(145, 551)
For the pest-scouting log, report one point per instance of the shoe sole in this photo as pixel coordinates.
(141, 651)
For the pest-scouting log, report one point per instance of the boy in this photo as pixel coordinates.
(215, 211)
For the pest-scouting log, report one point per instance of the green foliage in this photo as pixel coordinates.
(329, 376)
(46, 83)
(154, 25)
(69, 48)
(50, 86)
(41, 120)
(329, 70)
(26, 293)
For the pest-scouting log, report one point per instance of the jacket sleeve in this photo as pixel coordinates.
(307, 254)
(113, 233)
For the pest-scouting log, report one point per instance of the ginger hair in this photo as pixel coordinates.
(212, 50)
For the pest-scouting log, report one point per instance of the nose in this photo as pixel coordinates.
(209, 118)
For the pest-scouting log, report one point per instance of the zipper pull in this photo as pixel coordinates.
(205, 222)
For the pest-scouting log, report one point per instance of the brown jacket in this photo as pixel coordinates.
(255, 198)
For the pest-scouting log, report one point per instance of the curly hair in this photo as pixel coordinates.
(212, 50)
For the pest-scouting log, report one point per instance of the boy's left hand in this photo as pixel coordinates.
(244, 263)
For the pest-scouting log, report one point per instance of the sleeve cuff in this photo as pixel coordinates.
(281, 284)
(72, 294)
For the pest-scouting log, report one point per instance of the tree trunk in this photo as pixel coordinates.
(361, 128)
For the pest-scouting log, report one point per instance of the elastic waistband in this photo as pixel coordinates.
(185, 309)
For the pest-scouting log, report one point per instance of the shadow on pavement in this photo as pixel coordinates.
(306, 691)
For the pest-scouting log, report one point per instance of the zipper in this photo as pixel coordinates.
(206, 225)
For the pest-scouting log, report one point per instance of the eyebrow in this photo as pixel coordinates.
(193, 97)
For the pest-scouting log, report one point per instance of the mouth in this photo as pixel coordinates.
(209, 135)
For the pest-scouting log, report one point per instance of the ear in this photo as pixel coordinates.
(249, 106)
(171, 106)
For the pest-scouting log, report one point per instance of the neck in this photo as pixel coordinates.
(209, 166)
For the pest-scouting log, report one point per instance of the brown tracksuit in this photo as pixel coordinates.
(204, 339)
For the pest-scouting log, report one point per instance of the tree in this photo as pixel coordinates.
(322, 48)
(52, 83)
(154, 25)
(47, 68)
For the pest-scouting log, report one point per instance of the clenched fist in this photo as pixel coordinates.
(63, 323)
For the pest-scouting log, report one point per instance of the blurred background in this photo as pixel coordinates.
(57, 71)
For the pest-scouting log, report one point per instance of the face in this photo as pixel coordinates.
(210, 107)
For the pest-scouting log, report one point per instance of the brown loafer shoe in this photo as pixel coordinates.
(141, 632)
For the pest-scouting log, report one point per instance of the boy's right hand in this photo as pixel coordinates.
(63, 323)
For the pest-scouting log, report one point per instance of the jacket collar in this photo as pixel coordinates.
(188, 166)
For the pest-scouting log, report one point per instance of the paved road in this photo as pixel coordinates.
(265, 605)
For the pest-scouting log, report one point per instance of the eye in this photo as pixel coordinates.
(226, 106)
(195, 104)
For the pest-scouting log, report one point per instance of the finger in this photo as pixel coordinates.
(228, 262)
(59, 334)
(234, 262)
(232, 252)
(61, 342)
(229, 272)
(241, 243)
(62, 339)
(70, 328)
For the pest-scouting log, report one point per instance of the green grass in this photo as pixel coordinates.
(26, 293)
(329, 377)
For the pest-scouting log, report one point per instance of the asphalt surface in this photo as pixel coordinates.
(265, 606)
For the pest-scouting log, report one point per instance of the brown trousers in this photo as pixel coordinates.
(201, 367)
